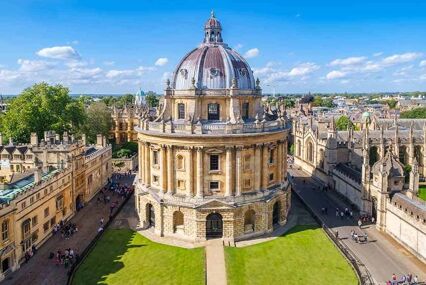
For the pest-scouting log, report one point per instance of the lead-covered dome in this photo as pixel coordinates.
(213, 65)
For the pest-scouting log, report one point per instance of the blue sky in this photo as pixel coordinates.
(292, 46)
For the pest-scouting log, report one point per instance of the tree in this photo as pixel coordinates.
(391, 103)
(343, 123)
(417, 113)
(40, 108)
(322, 102)
(151, 99)
(98, 121)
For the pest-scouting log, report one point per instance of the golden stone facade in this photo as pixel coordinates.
(213, 162)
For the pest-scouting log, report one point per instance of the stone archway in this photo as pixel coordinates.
(150, 215)
(249, 221)
(178, 222)
(276, 213)
(214, 225)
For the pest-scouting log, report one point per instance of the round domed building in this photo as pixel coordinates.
(213, 161)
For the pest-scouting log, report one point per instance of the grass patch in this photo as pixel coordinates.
(422, 193)
(125, 257)
(302, 256)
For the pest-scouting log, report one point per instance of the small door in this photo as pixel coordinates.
(214, 225)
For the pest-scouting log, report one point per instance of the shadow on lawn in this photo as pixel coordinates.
(104, 260)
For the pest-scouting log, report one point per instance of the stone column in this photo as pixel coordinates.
(257, 167)
(229, 175)
(147, 164)
(238, 171)
(170, 170)
(280, 162)
(141, 155)
(163, 169)
(190, 173)
(284, 166)
(200, 176)
(265, 167)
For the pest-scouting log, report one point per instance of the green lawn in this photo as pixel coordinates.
(422, 193)
(126, 257)
(302, 256)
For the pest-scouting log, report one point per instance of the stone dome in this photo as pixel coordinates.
(213, 65)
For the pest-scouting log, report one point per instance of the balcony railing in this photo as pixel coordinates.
(213, 127)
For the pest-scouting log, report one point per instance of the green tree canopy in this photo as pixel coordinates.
(40, 108)
(322, 102)
(417, 113)
(152, 99)
(98, 120)
(391, 103)
(343, 123)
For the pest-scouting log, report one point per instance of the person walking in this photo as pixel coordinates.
(359, 223)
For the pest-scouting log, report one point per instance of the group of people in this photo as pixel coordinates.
(66, 230)
(359, 238)
(30, 253)
(344, 213)
(408, 279)
(66, 257)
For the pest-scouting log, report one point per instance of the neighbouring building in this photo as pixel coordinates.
(213, 161)
(378, 169)
(125, 119)
(42, 183)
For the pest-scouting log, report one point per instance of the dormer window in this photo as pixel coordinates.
(213, 112)
(181, 111)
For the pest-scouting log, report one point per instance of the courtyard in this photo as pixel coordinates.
(302, 256)
(123, 255)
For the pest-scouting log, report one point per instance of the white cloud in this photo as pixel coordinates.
(252, 53)
(161, 61)
(377, 53)
(401, 58)
(128, 73)
(335, 74)
(27, 65)
(303, 69)
(422, 63)
(59, 52)
(355, 60)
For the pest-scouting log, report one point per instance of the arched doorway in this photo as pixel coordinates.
(178, 222)
(249, 221)
(79, 202)
(5, 264)
(150, 215)
(214, 225)
(276, 213)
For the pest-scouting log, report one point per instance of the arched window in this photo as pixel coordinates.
(180, 163)
(299, 148)
(418, 154)
(310, 154)
(374, 155)
(213, 110)
(181, 111)
(403, 155)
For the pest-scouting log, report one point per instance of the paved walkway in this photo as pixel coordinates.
(215, 260)
(40, 269)
(381, 255)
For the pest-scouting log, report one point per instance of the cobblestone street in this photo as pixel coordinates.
(42, 270)
(382, 255)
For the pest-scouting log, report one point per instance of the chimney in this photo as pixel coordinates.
(99, 140)
(34, 139)
(1, 139)
(104, 141)
(45, 136)
(83, 139)
(37, 175)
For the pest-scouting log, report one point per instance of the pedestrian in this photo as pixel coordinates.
(101, 221)
(325, 210)
(393, 276)
(372, 220)
(341, 215)
(337, 212)
(359, 223)
(351, 214)
(337, 234)
(415, 279)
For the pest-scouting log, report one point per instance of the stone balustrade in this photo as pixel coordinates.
(212, 127)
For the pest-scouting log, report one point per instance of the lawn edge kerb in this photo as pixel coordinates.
(86, 252)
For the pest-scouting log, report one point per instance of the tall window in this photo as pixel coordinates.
(5, 230)
(245, 111)
(26, 228)
(271, 156)
(213, 112)
(155, 157)
(214, 162)
(181, 111)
